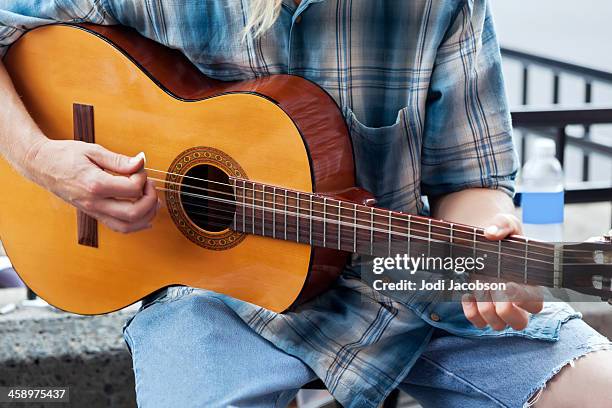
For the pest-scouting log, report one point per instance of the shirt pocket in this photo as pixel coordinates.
(387, 161)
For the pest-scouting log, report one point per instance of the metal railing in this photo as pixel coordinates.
(589, 75)
(553, 124)
(554, 121)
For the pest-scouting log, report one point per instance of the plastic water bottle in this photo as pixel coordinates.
(542, 194)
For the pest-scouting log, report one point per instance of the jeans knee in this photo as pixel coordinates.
(187, 318)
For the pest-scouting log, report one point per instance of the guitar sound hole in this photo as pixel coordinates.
(208, 198)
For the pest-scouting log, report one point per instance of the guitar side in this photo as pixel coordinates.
(147, 98)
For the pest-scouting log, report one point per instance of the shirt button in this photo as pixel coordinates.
(435, 317)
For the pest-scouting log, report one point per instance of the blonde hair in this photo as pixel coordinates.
(262, 15)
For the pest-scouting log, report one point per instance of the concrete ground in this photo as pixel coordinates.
(42, 347)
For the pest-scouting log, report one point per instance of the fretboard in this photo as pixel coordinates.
(324, 221)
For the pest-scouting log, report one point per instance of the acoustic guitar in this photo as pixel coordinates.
(257, 179)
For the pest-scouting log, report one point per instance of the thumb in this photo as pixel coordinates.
(117, 163)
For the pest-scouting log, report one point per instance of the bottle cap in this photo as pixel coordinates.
(544, 148)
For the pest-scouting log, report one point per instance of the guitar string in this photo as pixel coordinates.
(536, 272)
(254, 190)
(305, 216)
(474, 230)
(349, 224)
(386, 232)
(319, 236)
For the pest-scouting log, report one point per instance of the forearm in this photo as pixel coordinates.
(475, 206)
(19, 134)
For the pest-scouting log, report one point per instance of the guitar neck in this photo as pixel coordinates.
(328, 222)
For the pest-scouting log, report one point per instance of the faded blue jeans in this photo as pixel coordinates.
(194, 351)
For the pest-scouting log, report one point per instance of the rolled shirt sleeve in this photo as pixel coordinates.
(19, 16)
(467, 141)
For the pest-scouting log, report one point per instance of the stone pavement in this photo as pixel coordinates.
(43, 347)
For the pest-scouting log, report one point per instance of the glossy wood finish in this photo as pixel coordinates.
(255, 123)
(313, 111)
(83, 125)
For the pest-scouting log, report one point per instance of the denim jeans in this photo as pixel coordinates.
(191, 350)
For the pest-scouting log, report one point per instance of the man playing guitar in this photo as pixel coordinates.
(420, 84)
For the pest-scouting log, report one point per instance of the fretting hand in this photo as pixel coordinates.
(511, 307)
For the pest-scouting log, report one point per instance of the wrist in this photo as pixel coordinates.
(30, 164)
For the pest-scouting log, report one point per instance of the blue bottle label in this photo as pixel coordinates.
(542, 208)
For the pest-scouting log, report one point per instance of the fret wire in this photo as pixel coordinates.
(339, 221)
(310, 228)
(253, 214)
(286, 194)
(244, 206)
(409, 233)
(324, 222)
(233, 182)
(355, 228)
(389, 235)
(371, 230)
(499, 243)
(450, 249)
(297, 233)
(526, 254)
(474, 249)
(274, 212)
(429, 237)
(263, 212)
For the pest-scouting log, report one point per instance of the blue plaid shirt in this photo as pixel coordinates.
(420, 84)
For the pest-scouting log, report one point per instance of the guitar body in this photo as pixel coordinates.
(280, 130)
